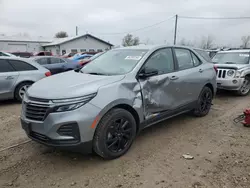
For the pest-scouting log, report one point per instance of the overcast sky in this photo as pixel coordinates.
(104, 18)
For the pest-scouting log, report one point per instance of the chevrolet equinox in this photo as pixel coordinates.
(104, 105)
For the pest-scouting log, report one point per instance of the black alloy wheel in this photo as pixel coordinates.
(204, 102)
(114, 134)
(118, 135)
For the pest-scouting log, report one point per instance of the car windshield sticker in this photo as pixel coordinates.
(244, 55)
(136, 58)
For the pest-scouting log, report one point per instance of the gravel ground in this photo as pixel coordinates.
(220, 149)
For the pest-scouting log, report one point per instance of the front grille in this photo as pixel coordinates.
(221, 73)
(36, 112)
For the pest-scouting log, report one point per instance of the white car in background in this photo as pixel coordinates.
(6, 54)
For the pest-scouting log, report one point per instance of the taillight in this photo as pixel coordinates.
(48, 74)
(215, 68)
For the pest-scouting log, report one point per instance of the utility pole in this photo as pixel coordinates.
(175, 28)
(76, 30)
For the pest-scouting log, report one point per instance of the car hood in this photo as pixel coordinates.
(232, 66)
(70, 84)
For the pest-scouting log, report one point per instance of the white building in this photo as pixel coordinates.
(83, 43)
(22, 44)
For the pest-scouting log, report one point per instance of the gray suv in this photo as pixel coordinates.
(16, 75)
(109, 101)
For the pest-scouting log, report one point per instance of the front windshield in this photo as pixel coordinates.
(114, 62)
(231, 58)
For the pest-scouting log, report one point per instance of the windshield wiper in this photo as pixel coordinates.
(230, 63)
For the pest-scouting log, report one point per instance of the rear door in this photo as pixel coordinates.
(190, 75)
(8, 77)
(160, 92)
(45, 62)
(56, 65)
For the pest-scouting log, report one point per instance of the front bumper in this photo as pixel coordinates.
(228, 84)
(51, 131)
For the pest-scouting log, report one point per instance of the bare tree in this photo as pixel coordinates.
(207, 42)
(61, 34)
(129, 40)
(245, 41)
(184, 42)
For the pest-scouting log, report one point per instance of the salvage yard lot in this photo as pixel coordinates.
(220, 148)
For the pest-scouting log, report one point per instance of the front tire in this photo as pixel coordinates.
(21, 89)
(114, 134)
(204, 102)
(245, 88)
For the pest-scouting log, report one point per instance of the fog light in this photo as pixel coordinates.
(235, 81)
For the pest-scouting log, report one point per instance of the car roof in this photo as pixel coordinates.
(234, 51)
(152, 47)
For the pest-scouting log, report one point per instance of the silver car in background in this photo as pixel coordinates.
(17, 75)
(109, 101)
(233, 70)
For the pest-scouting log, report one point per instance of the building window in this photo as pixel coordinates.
(74, 50)
(83, 50)
(91, 50)
(99, 50)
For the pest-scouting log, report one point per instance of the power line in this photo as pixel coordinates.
(215, 18)
(139, 29)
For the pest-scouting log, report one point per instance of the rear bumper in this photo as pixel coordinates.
(228, 84)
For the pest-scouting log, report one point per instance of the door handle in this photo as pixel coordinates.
(174, 77)
(200, 70)
(9, 78)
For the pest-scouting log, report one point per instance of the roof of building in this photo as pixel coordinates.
(234, 51)
(23, 39)
(68, 39)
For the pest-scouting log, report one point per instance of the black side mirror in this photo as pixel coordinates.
(147, 72)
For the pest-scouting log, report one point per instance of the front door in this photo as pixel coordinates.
(8, 77)
(160, 92)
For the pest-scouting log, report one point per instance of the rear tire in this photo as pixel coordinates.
(245, 88)
(114, 134)
(21, 90)
(204, 102)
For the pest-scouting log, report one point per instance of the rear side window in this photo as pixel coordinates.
(5, 66)
(196, 60)
(42, 61)
(184, 59)
(21, 66)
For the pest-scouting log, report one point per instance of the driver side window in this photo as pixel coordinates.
(161, 60)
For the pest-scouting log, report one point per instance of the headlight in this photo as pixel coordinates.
(230, 72)
(72, 104)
